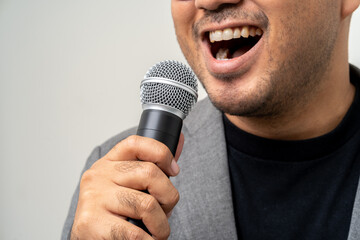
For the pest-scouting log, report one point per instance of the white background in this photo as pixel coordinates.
(69, 79)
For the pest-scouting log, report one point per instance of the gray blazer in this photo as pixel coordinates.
(205, 209)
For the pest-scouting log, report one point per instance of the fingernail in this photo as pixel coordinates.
(175, 167)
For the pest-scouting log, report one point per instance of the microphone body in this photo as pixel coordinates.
(162, 126)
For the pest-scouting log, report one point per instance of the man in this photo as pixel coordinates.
(278, 158)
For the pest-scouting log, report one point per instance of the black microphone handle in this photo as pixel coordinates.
(164, 127)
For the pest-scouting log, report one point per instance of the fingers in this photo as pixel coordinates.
(139, 205)
(111, 227)
(146, 149)
(148, 177)
(127, 230)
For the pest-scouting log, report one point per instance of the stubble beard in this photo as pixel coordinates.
(288, 83)
(285, 87)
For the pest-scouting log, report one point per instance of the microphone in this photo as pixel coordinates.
(167, 93)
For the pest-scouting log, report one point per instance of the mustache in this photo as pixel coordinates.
(229, 11)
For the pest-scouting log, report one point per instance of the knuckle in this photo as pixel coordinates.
(125, 146)
(128, 233)
(86, 195)
(151, 170)
(88, 176)
(88, 188)
(175, 196)
(149, 204)
(135, 234)
(82, 224)
(132, 141)
(165, 231)
(162, 152)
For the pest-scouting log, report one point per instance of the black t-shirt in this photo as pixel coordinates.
(296, 189)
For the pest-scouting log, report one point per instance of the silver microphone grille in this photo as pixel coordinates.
(170, 85)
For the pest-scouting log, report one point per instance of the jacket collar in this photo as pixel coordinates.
(205, 207)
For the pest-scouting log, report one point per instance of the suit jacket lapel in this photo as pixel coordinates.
(205, 209)
(354, 232)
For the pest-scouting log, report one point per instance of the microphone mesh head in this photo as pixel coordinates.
(170, 95)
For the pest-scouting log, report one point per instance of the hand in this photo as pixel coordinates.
(112, 191)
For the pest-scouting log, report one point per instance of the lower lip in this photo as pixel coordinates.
(231, 66)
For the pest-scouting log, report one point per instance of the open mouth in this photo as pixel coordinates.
(233, 42)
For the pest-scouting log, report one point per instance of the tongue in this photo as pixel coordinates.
(241, 51)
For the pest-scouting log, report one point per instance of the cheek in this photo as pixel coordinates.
(282, 7)
(184, 15)
(290, 24)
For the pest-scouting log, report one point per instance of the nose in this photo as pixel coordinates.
(213, 4)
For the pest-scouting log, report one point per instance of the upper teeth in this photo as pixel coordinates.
(229, 33)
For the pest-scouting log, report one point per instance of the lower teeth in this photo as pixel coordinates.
(222, 54)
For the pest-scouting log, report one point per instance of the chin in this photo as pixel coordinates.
(240, 107)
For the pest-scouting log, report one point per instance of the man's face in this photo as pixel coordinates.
(277, 62)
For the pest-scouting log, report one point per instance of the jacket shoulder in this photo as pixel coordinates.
(202, 112)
